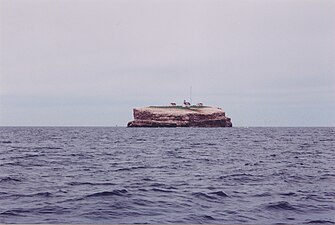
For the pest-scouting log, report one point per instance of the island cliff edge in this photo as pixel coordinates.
(178, 116)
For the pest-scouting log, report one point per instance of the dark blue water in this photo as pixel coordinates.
(174, 175)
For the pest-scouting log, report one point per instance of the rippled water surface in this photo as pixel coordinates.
(174, 175)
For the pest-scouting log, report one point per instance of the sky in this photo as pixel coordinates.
(90, 62)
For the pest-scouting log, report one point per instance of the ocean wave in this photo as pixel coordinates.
(204, 196)
(288, 194)
(53, 210)
(32, 195)
(133, 168)
(319, 222)
(75, 183)
(219, 193)
(161, 190)
(207, 217)
(282, 205)
(120, 192)
(24, 212)
(14, 212)
(199, 219)
(47, 147)
(264, 194)
(143, 202)
(242, 177)
(9, 179)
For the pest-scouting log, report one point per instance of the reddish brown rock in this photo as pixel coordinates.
(177, 116)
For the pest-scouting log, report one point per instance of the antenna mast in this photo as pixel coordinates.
(191, 95)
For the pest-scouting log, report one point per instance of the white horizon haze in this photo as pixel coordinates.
(90, 62)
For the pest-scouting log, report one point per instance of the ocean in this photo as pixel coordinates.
(167, 175)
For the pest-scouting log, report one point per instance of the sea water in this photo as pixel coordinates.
(167, 175)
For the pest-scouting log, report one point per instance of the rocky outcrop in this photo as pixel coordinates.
(177, 116)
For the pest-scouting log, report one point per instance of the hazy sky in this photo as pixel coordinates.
(89, 62)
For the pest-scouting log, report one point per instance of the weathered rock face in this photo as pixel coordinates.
(180, 117)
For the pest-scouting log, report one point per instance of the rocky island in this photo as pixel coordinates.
(179, 116)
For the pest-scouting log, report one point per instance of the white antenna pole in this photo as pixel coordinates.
(191, 95)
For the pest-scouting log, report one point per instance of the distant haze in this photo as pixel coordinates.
(89, 62)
